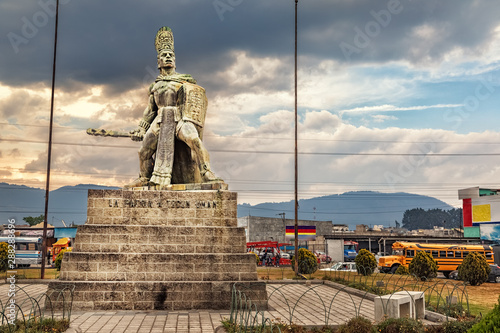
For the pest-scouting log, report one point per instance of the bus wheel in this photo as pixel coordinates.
(446, 274)
(394, 269)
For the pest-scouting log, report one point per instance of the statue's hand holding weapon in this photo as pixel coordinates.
(137, 134)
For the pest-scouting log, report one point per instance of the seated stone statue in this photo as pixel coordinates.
(171, 128)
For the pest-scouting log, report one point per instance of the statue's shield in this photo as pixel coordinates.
(192, 102)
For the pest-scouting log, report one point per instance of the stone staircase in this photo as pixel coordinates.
(159, 250)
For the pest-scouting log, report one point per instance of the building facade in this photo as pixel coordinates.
(481, 212)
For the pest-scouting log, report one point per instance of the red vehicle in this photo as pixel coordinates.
(268, 252)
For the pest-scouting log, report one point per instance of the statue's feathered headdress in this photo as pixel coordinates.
(164, 39)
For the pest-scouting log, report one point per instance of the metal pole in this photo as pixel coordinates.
(296, 154)
(49, 155)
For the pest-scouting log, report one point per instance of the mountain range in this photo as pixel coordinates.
(69, 203)
(351, 208)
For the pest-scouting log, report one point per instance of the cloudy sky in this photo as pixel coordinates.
(393, 95)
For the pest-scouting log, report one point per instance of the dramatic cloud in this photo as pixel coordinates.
(377, 81)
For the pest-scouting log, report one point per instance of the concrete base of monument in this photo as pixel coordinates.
(163, 250)
(170, 296)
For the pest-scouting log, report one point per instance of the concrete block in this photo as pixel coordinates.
(392, 306)
(400, 304)
(417, 302)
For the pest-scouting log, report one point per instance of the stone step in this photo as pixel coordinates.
(159, 239)
(172, 296)
(158, 267)
(157, 248)
(175, 208)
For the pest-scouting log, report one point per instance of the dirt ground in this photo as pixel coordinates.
(485, 295)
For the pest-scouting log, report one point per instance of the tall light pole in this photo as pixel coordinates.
(49, 154)
(296, 154)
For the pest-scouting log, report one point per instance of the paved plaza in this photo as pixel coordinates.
(311, 304)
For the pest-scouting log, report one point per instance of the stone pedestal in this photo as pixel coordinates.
(163, 250)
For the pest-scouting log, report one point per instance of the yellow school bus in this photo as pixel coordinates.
(448, 256)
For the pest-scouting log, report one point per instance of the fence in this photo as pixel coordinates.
(338, 297)
(26, 305)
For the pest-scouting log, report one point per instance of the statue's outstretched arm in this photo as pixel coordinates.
(147, 118)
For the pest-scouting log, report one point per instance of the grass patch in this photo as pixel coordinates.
(32, 273)
(37, 326)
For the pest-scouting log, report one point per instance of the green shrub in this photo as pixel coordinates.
(365, 262)
(457, 311)
(474, 269)
(458, 326)
(4, 259)
(423, 266)
(356, 325)
(490, 322)
(402, 270)
(397, 325)
(308, 263)
(59, 257)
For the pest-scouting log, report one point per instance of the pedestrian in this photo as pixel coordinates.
(49, 256)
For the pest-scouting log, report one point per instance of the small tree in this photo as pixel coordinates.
(365, 262)
(308, 263)
(59, 258)
(402, 270)
(33, 220)
(474, 269)
(423, 266)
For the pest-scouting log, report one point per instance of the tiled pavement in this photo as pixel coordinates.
(303, 304)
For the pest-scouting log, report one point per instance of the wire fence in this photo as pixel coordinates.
(25, 305)
(341, 295)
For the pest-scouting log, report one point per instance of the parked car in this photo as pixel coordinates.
(341, 266)
(323, 257)
(285, 255)
(494, 275)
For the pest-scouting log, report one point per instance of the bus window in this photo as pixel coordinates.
(434, 253)
(458, 254)
(489, 255)
(442, 254)
(465, 254)
(450, 254)
(428, 251)
(397, 252)
(410, 253)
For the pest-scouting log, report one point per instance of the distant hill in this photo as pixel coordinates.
(351, 208)
(69, 203)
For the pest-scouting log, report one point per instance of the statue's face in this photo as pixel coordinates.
(166, 59)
